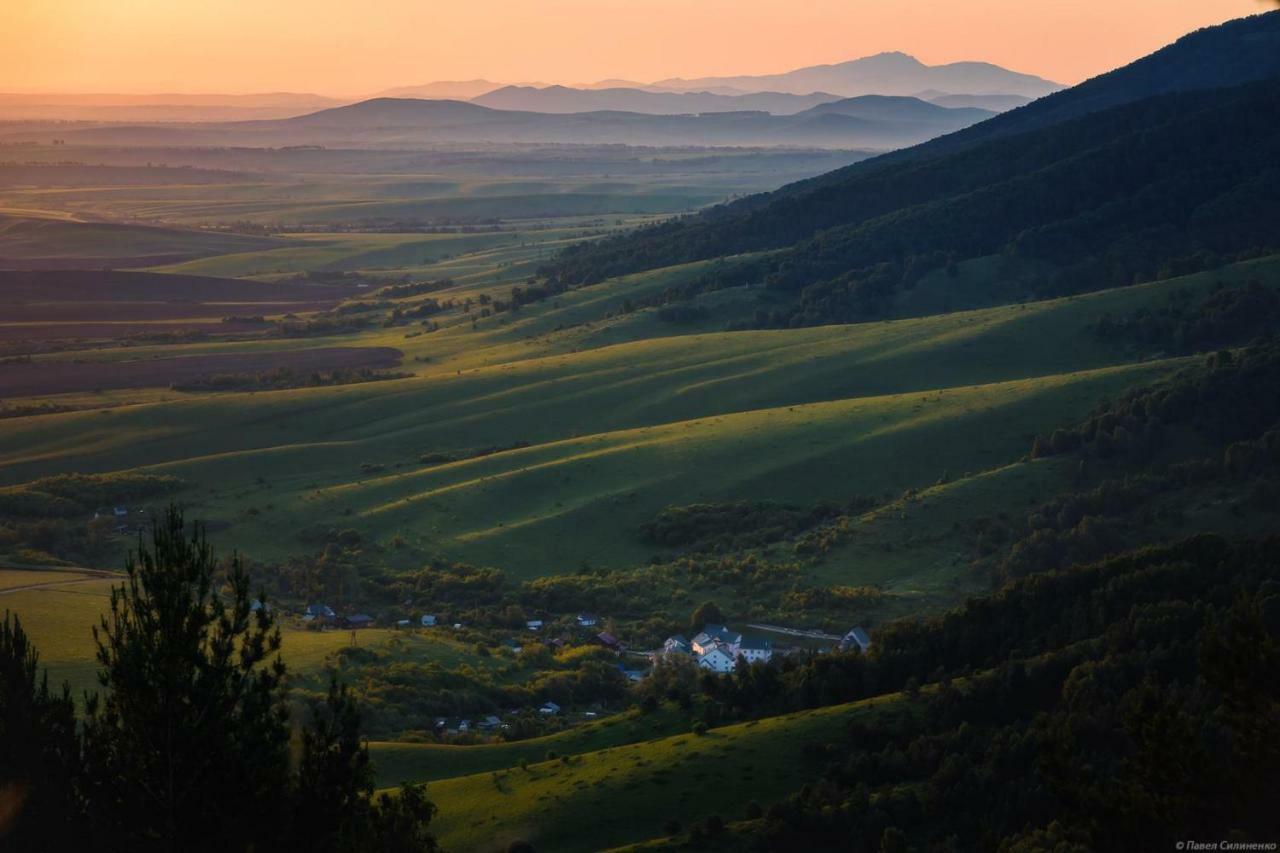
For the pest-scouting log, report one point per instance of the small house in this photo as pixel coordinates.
(489, 723)
(857, 638)
(534, 624)
(677, 644)
(428, 621)
(755, 649)
(549, 708)
(322, 613)
(716, 659)
(359, 620)
(607, 640)
(587, 620)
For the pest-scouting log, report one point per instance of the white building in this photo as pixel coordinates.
(755, 649)
(716, 659)
(428, 621)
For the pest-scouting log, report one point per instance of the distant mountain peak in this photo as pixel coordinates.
(887, 73)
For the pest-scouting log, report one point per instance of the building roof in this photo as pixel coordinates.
(716, 633)
(757, 644)
(319, 610)
(607, 638)
(858, 636)
(360, 617)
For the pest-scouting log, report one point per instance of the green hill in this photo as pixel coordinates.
(602, 799)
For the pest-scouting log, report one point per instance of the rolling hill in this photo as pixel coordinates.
(409, 122)
(562, 99)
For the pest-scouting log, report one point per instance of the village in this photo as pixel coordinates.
(716, 649)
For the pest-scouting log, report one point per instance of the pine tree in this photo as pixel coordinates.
(335, 778)
(186, 748)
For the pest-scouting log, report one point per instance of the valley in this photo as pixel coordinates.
(945, 417)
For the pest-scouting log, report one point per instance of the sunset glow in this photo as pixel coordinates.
(337, 47)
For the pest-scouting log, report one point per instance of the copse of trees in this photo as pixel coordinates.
(742, 524)
(186, 746)
(1223, 400)
(1229, 316)
(284, 377)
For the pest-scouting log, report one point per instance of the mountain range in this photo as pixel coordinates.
(964, 84)
(873, 123)
(891, 73)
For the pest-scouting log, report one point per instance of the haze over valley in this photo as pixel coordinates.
(878, 455)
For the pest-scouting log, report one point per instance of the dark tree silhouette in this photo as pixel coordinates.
(187, 745)
(39, 750)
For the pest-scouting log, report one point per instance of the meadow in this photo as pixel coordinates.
(624, 794)
(620, 421)
(59, 610)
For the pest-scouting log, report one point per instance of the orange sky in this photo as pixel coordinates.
(354, 47)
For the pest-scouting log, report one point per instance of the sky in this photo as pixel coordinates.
(356, 47)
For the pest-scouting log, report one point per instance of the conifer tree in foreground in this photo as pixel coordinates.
(189, 738)
(187, 745)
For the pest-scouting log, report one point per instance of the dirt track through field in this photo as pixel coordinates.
(42, 378)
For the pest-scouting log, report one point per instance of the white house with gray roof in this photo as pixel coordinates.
(754, 649)
(716, 659)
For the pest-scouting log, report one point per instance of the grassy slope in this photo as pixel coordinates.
(625, 794)
(669, 419)
(415, 762)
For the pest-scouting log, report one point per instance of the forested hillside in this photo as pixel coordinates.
(1169, 183)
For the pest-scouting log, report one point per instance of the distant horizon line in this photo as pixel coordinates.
(497, 83)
